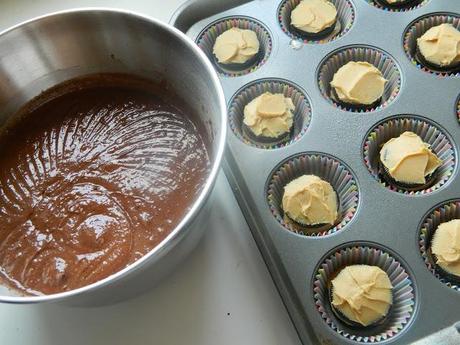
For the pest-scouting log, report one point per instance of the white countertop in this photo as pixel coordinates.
(222, 294)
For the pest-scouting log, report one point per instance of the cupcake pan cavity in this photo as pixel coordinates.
(404, 298)
(345, 19)
(302, 112)
(208, 36)
(341, 145)
(381, 60)
(416, 29)
(330, 170)
(430, 133)
(443, 213)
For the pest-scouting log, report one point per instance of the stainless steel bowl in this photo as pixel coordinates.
(48, 50)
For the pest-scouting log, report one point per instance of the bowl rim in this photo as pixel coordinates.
(179, 231)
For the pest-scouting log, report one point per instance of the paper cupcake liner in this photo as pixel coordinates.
(374, 56)
(302, 112)
(345, 19)
(207, 39)
(428, 131)
(437, 216)
(329, 169)
(417, 28)
(404, 298)
(410, 7)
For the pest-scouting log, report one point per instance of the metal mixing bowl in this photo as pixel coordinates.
(45, 51)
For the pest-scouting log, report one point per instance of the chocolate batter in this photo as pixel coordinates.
(92, 179)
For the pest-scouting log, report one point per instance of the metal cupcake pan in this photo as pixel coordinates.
(377, 217)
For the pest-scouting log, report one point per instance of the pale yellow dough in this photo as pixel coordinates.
(446, 246)
(408, 159)
(358, 82)
(236, 46)
(310, 200)
(440, 45)
(313, 16)
(269, 115)
(362, 293)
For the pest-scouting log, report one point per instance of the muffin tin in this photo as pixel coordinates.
(380, 223)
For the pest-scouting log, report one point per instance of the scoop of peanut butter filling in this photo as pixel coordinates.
(358, 82)
(236, 46)
(269, 115)
(440, 45)
(314, 16)
(362, 293)
(408, 159)
(309, 200)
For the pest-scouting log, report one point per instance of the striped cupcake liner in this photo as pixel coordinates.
(207, 39)
(410, 7)
(393, 127)
(374, 56)
(329, 169)
(404, 297)
(302, 112)
(417, 28)
(440, 214)
(345, 20)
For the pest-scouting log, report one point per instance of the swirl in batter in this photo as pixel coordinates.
(93, 179)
